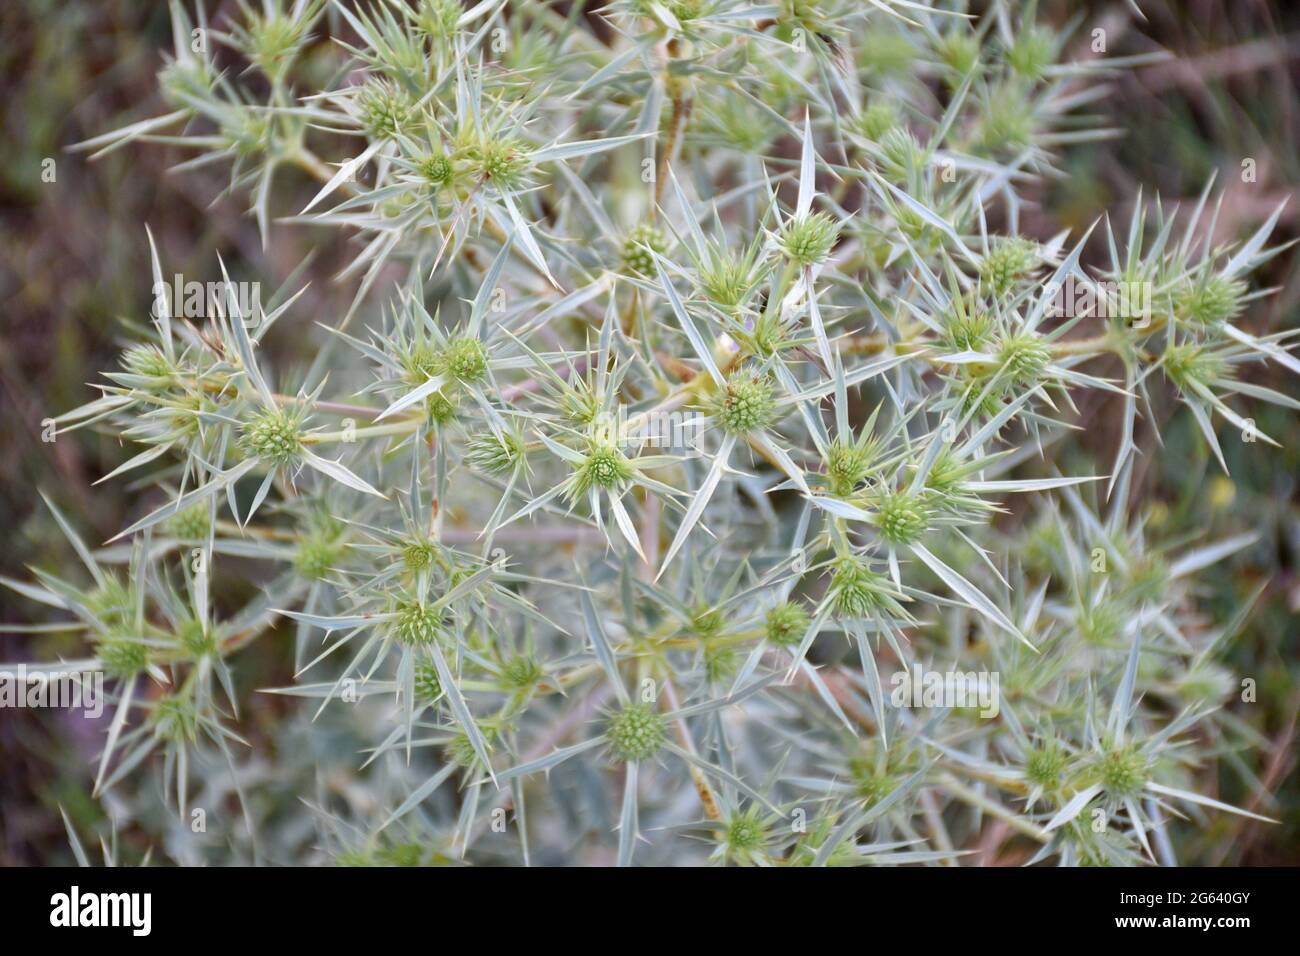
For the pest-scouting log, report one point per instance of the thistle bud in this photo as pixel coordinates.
(786, 624)
(273, 436)
(637, 249)
(417, 624)
(745, 404)
(636, 732)
(808, 240)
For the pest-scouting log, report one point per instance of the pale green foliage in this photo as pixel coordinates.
(500, 569)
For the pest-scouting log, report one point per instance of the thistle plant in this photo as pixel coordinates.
(503, 580)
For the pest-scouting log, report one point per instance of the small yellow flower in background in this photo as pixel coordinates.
(1222, 492)
(1159, 514)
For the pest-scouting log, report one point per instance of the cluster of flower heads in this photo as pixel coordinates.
(519, 591)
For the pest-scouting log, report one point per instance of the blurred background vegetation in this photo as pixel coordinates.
(74, 266)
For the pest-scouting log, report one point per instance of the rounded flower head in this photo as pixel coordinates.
(384, 108)
(901, 518)
(605, 467)
(720, 661)
(273, 436)
(636, 732)
(440, 409)
(111, 601)
(175, 719)
(900, 153)
(1024, 357)
(428, 685)
(273, 40)
(877, 119)
(1189, 366)
(438, 18)
(1211, 302)
(746, 835)
(786, 624)
(682, 10)
(1007, 123)
(417, 624)
(436, 169)
(1123, 772)
(195, 639)
(466, 359)
(522, 671)
(1206, 683)
(147, 361)
(967, 329)
(847, 464)
(726, 280)
(637, 248)
(122, 656)
(858, 590)
(500, 161)
(1102, 623)
(417, 555)
(745, 404)
(460, 750)
(1044, 766)
(874, 787)
(959, 50)
(495, 454)
(809, 239)
(707, 621)
(317, 555)
(886, 52)
(1032, 52)
(191, 524)
(1008, 259)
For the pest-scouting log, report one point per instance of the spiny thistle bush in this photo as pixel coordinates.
(532, 620)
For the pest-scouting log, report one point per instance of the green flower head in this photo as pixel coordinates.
(901, 518)
(605, 467)
(147, 361)
(638, 247)
(745, 403)
(847, 464)
(858, 591)
(175, 719)
(417, 624)
(1211, 302)
(1024, 358)
(1123, 772)
(877, 119)
(437, 170)
(808, 240)
(495, 454)
(273, 436)
(786, 624)
(1189, 366)
(522, 671)
(428, 685)
(1008, 259)
(192, 524)
(636, 732)
(122, 655)
(384, 108)
(1044, 766)
(465, 359)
